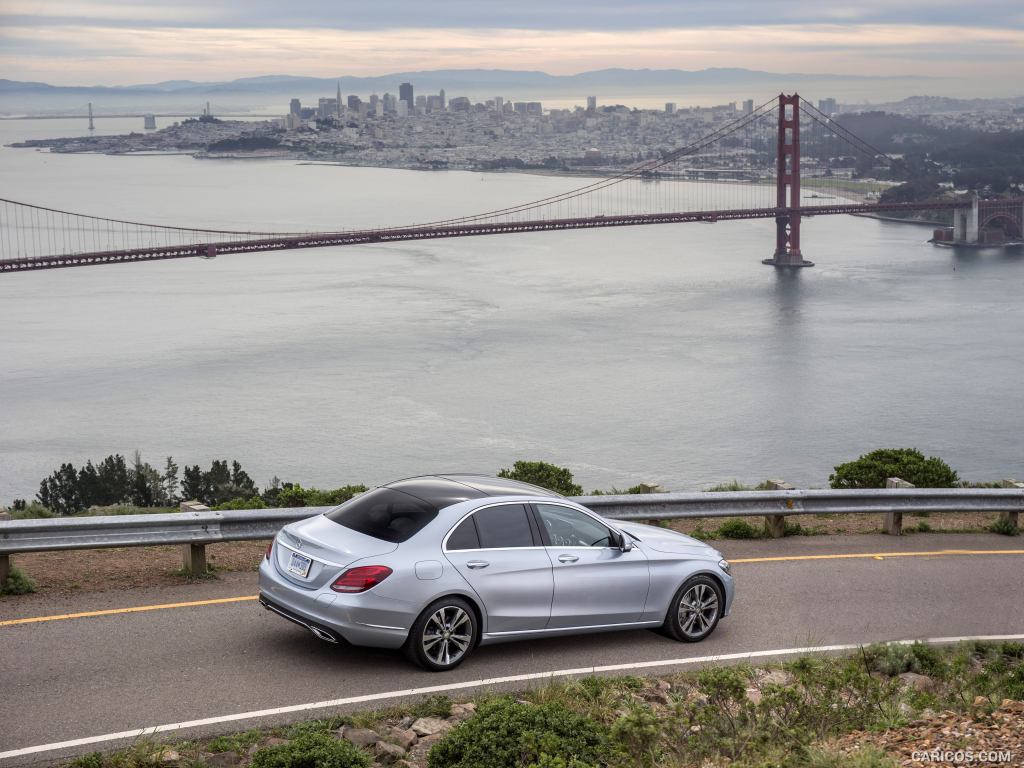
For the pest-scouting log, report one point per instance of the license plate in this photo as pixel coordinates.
(299, 564)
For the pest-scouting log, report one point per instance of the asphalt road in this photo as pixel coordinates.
(81, 677)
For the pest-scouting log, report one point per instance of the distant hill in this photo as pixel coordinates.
(634, 87)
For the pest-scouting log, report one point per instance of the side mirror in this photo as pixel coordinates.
(625, 543)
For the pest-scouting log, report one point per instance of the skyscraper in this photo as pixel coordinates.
(405, 94)
(591, 103)
(296, 107)
(443, 103)
(339, 98)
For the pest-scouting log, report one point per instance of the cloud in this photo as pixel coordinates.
(67, 54)
(523, 14)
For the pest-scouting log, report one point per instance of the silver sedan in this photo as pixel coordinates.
(437, 565)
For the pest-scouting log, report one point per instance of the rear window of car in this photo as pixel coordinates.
(385, 513)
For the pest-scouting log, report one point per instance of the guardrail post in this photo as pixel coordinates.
(193, 556)
(1011, 517)
(775, 525)
(893, 523)
(5, 560)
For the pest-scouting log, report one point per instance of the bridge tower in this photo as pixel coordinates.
(787, 181)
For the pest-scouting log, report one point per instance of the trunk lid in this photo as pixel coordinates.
(330, 547)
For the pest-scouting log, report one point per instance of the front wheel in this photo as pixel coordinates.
(443, 635)
(695, 610)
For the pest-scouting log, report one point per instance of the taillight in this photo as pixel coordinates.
(270, 548)
(361, 579)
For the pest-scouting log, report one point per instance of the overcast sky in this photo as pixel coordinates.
(79, 42)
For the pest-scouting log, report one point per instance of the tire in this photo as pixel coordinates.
(695, 610)
(443, 635)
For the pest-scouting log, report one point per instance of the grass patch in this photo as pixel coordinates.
(783, 716)
(17, 583)
(739, 529)
(1004, 527)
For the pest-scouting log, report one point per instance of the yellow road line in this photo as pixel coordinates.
(880, 555)
(789, 558)
(113, 611)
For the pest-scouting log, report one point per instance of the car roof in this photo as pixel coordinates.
(444, 490)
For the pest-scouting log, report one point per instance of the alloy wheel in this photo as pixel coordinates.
(698, 609)
(447, 635)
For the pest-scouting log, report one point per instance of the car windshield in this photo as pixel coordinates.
(385, 513)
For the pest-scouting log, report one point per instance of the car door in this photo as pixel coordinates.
(499, 552)
(595, 582)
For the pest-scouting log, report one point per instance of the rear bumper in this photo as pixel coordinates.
(350, 618)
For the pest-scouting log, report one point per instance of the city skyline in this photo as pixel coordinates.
(79, 41)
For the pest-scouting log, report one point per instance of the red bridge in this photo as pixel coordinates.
(750, 168)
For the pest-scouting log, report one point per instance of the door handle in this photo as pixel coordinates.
(475, 564)
(568, 558)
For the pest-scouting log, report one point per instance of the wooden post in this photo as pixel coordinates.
(893, 522)
(1011, 517)
(5, 568)
(775, 525)
(193, 556)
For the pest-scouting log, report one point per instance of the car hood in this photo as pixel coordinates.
(665, 540)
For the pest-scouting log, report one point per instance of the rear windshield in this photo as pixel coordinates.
(384, 513)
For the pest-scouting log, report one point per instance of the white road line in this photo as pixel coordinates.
(168, 727)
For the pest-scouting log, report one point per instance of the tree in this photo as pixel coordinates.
(169, 481)
(114, 486)
(59, 491)
(872, 470)
(550, 476)
(89, 486)
(193, 487)
(147, 489)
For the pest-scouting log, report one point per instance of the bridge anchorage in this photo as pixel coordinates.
(783, 160)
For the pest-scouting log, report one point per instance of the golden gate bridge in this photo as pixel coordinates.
(757, 166)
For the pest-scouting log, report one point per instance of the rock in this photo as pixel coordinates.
(406, 721)
(361, 737)
(921, 683)
(664, 685)
(222, 759)
(754, 695)
(428, 726)
(403, 737)
(167, 756)
(388, 753)
(981, 701)
(775, 677)
(657, 697)
(274, 741)
(461, 712)
(906, 710)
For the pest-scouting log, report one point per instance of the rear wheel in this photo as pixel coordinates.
(695, 610)
(443, 635)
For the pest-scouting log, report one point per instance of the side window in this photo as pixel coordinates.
(464, 537)
(505, 525)
(567, 527)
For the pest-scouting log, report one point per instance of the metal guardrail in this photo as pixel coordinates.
(196, 529)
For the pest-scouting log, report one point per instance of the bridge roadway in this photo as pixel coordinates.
(81, 677)
(446, 230)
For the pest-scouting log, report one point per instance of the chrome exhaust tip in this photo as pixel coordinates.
(323, 634)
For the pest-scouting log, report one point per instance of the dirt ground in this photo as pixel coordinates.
(114, 569)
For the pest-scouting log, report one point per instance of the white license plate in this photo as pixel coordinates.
(299, 564)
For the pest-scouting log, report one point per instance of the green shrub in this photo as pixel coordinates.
(92, 760)
(872, 470)
(31, 510)
(253, 502)
(554, 478)
(507, 734)
(1004, 527)
(738, 529)
(17, 583)
(896, 659)
(635, 735)
(235, 742)
(312, 750)
(732, 485)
